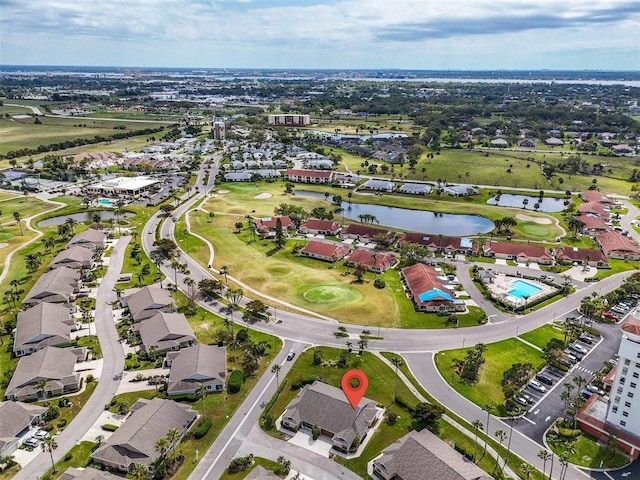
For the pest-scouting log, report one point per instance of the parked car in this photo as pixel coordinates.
(528, 398)
(521, 400)
(291, 354)
(594, 389)
(578, 348)
(586, 339)
(31, 442)
(537, 386)
(41, 434)
(586, 393)
(609, 314)
(546, 379)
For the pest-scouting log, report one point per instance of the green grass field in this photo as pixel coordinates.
(498, 358)
(263, 462)
(541, 335)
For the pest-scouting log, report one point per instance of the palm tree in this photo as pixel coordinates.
(139, 471)
(224, 270)
(71, 223)
(477, 425)
(501, 436)
(544, 456)
(17, 217)
(173, 437)
(275, 369)
(488, 407)
(565, 396)
(49, 444)
(202, 391)
(397, 362)
(513, 420)
(162, 446)
(41, 386)
(527, 469)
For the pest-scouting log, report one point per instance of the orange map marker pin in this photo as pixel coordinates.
(354, 384)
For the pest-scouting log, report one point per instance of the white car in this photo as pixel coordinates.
(291, 354)
(41, 434)
(537, 386)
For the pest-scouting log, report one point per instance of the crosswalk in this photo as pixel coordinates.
(585, 370)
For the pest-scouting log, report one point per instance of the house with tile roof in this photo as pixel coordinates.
(519, 252)
(327, 408)
(593, 224)
(423, 456)
(366, 233)
(429, 289)
(596, 196)
(310, 176)
(374, 261)
(164, 332)
(15, 420)
(594, 208)
(314, 226)
(54, 365)
(134, 442)
(147, 302)
(441, 243)
(266, 226)
(87, 473)
(195, 366)
(43, 325)
(616, 245)
(327, 251)
(589, 256)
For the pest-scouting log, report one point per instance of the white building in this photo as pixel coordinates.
(624, 407)
(289, 120)
(124, 187)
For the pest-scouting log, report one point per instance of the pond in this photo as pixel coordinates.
(83, 217)
(423, 221)
(549, 205)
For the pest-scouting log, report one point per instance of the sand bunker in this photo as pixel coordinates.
(4, 245)
(222, 192)
(263, 196)
(527, 218)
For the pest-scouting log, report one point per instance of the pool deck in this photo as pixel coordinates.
(503, 284)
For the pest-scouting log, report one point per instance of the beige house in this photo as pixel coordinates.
(165, 331)
(195, 366)
(15, 420)
(147, 302)
(76, 257)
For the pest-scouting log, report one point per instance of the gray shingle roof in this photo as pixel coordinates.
(135, 440)
(90, 236)
(42, 325)
(261, 473)
(147, 302)
(56, 365)
(16, 416)
(75, 256)
(55, 286)
(200, 364)
(87, 473)
(165, 331)
(327, 407)
(423, 456)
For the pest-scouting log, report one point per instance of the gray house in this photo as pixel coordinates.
(195, 366)
(45, 324)
(165, 331)
(55, 366)
(378, 185)
(135, 441)
(15, 420)
(90, 239)
(87, 473)
(327, 407)
(423, 456)
(147, 302)
(56, 286)
(73, 257)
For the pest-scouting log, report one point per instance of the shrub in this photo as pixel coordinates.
(68, 457)
(267, 422)
(403, 404)
(315, 432)
(236, 379)
(239, 464)
(203, 428)
(187, 397)
(61, 423)
(392, 418)
(90, 378)
(379, 283)
(569, 432)
(109, 427)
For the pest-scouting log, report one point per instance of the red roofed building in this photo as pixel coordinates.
(313, 226)
(520, 252)
(266, 227)
(441, 243)
(593, 224)
(616, 245)
(374, 261)
(310, 176)
(327, 251)
(593, 257)
(593, 208)
(365, 233)
(428, 290)
(595, 196)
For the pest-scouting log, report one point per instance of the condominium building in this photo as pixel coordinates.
(289, 120)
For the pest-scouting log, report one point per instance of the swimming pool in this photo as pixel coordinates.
(105, 202)
(522, 289)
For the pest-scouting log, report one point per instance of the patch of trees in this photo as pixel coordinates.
(469, 368)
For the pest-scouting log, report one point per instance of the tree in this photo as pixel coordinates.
(162, 446)
(359, 272)
(49, 445)
(17, 217)
(202, 392)
(211, 215)
(234, 295)
(427, 414)
(139, 471)
(41, 386)
(279, 234)
(575, 225)
(72, 223)
(32, 261)
(275, 369)
(239, 226)
(476, 425)
(224, 271)
(544, 456)
(527, 469)
(487, 407)
(284, 466)
(173, 437)
(397, 363)
(166, 246)
(501, 436)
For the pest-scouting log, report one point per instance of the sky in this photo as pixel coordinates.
(341, 34)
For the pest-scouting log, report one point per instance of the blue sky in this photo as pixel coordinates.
(413, 34)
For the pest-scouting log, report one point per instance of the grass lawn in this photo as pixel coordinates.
(78, 456)
(589, 453)
(541, 335)
(498, 358)
(77, 402)
(7, 362)
(263, 462)
(617, 266)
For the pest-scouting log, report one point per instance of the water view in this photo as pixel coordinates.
(82, 217)
(545, 204)
(413, 220)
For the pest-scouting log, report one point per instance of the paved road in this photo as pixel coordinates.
(113, 364)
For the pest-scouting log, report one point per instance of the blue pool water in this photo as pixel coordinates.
(523, 289)
(105, 202)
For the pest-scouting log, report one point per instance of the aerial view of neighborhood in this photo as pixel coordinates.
(317, 272)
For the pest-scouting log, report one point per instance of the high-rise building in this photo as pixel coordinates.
(289, 120)
(624, 405)
(219, 130)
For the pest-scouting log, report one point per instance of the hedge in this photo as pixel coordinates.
(203, 428)
(109, 427)
(236, 379)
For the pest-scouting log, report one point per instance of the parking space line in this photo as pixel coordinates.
(608, 475)
(528, 420)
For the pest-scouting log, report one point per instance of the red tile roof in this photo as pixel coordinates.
(593, 223)
(321, 225)
(595, 196)
(420, 278)
(435, 241)
(517, 249)
(593, 207)
(616, 242)
(310, 173)
(632, 327)
(269, 223)
(369, 259)
(580, 254)
(326, 249)
(366, 231)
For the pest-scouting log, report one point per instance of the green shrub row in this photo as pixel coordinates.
(203, 428)
(236, 379)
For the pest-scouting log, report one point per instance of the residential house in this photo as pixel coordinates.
(554, 142)
(135, 440)
(596, 196)
(589, 256)
(327, 407)
(593, 224)
(593, 208)
(75, 257)
(366, 233)
(237, 177)
(415, 189)
(519, 252)
(423, 456)
(90, 238)
(55, 366)
(460, 190)
(195, 366)
(616, 245)
(373, 261)
(378, 185)
(310, 176)
(527, 143)
(441, 243)
(87, 473)
(165, 331)
(313, 226)
(15, 420)
(623, 149)
(499, 143)
(429, 290)
(43, 325)
(55, 286)
(261, 473)
(147, 302)
(266, 227)
(327, 251)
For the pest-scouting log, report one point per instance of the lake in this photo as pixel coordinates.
(82, 217)
(423, 221)
(546, 204)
